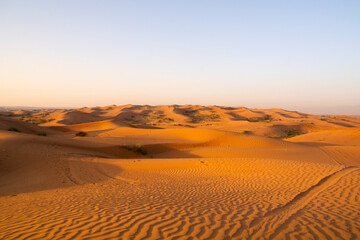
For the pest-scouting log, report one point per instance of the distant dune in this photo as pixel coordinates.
(178, 172)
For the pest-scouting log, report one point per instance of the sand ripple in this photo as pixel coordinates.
(206, 199)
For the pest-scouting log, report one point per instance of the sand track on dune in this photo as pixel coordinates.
(335, 210)
(270, 225)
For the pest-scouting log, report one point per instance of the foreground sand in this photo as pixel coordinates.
(210, 181)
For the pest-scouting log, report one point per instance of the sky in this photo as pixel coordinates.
(290, 54)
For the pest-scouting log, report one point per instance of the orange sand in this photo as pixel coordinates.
(197, 173)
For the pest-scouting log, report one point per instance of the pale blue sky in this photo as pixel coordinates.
(286, 54)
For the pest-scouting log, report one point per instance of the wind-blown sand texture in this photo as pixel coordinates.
(179, 172)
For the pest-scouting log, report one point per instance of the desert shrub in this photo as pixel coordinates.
(137, 148)
(51, 119)
(42, 134)
(14, 129)
(81, 134)
(267, 118)
(290, 133)
(323, 119)
(247, 132)
(197, 118)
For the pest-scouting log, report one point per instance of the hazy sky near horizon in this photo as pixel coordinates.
(238, 53)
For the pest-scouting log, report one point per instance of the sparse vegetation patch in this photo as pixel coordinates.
(138, 148)
(289, 133)
(267, 118)
(81, 134)
(148, 119)
(13, 129)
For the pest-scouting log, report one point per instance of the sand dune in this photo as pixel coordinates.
(179, 172)
(7, 123)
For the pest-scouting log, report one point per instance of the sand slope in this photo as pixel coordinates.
(197, 176)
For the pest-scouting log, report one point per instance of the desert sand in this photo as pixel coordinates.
(178, 172)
